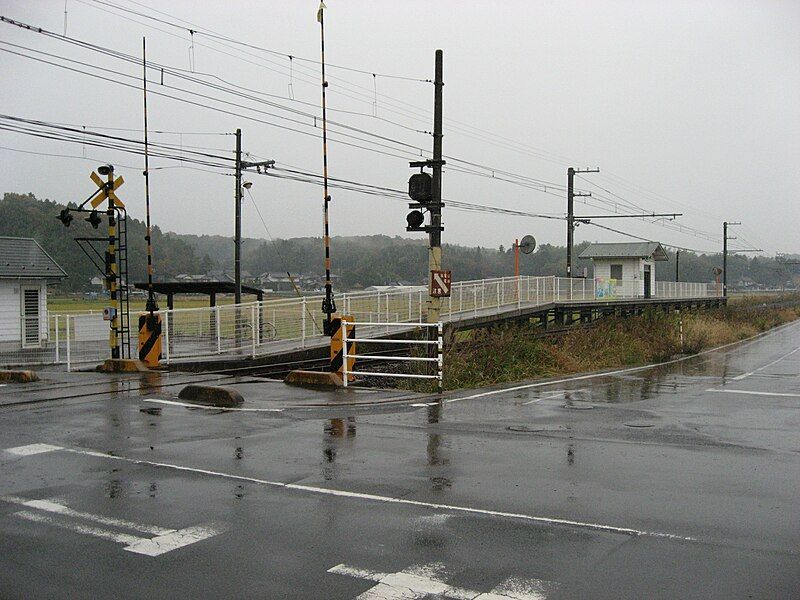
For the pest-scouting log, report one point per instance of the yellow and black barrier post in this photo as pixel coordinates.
(338, 349)
(150, 339)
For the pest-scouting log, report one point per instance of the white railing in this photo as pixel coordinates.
(438, 360)
(257, 328)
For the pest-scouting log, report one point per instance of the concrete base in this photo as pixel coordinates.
(322, 379)
(209, 395)
(19, 376)
(123, 365)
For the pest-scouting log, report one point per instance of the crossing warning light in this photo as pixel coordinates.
(65, 217)
(93, 219)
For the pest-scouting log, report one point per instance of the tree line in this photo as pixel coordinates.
(360, 261)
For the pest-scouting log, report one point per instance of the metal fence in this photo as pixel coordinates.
(435, 361)
(258, 328)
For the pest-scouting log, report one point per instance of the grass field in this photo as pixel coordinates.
(66, 304)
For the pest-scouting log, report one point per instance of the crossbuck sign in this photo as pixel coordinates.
(440, 284)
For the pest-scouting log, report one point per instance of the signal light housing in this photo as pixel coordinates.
(93, 219)
(415, 219)
(65, 216)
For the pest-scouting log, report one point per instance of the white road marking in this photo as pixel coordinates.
(177, 539)
(55, 507)
(422, 404)
(554, 396)
(165, 540)
(781, 394)
(620, 371)
(422, 581)
(32, 449)
(388, 499)
(105, 534)
(754, 371)
(190, 405)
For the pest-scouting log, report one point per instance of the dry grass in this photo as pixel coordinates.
(510, 353)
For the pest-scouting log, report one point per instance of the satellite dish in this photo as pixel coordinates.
(716, 271)
(528, 244)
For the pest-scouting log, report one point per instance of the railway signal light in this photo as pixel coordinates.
(65, 217)
(93, 219)
(415, 219)
(420, 187)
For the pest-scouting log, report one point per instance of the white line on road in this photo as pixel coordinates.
(190, 405)
(177, 539)
(421, 581)
(165, 540)
(754, 371)
(781, 394)
(105, 534)
(560, 394)
(373, 497)
(55, 507)
(32, 449)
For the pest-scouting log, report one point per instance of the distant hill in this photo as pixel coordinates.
(25, 216)
(359, 261)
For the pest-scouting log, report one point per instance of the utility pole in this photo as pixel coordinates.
(435, 234)
(237, 236)
(677, 262)
(725, 239)
(571, 195)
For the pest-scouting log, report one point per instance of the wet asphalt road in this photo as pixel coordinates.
(679, 481)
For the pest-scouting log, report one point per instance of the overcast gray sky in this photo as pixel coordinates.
(690, 107)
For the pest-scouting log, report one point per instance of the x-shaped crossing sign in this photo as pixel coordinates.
(106, 190)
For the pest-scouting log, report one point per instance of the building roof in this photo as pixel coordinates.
(652, 250)
(197, 287)
(24, 258)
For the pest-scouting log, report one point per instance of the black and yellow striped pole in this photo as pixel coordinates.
(149, 323)
(328, 304)
(111, 266)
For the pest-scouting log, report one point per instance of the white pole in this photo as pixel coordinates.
(166, 336)
(440, 351)
(254, 325)
(57, 355)
(555, 288)
(219, 333)
(420, 306)
(69, 347)
(344, 352)
(409, 306)
(303, 322)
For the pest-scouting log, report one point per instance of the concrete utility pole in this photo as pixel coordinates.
(677, 262)
(435, 234)
(725, 239)
(237, 236)
(571, 195)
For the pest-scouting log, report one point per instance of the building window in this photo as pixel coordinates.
(616, 272)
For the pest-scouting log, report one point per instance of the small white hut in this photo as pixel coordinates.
(625, 270)
(25, 271)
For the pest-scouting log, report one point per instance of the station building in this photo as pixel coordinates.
(624, 270)
(25, 271)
